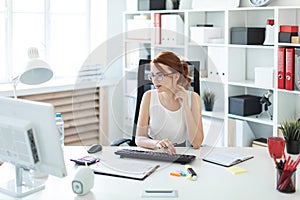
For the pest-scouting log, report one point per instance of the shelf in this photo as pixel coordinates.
(250, 46)
(213, 114)
(289, 44)
(261, 120)
(289, 91)
(231, 68)
(169, 46)
(206, 44)
(208, 80)
(138, 41)
(247, 83)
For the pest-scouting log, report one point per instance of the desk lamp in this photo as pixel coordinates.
(37, 71)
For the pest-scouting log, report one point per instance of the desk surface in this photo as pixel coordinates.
(214, 182)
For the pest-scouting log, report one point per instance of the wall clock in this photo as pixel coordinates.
(259, 2)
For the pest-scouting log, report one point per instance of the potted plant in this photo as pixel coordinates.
(209, 100)
(291, 132)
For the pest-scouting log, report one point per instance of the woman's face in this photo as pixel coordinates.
(162, 80)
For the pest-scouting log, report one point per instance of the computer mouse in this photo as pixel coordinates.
(94, 148)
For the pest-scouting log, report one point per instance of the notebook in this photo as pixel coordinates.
(226, 159)
(124, 169)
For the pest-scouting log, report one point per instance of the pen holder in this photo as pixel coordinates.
(286, 181)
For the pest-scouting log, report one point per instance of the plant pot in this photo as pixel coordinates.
(292, 146)
(208, 106)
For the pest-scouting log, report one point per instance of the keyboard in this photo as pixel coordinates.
(154, 155)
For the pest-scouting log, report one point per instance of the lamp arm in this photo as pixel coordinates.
(15, 82)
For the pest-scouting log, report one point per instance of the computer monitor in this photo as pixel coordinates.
(29, 140)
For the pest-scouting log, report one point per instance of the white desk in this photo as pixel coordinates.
(213, 182)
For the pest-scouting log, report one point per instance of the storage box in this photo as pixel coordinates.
(296, 39)
(247, 35)
(151, 4)
(202, 35)
(284, 28)
(286, 37)
(264, 77)
(245, 105)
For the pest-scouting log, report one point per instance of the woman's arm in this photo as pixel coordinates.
(192, 115)
(142, 138)
(193, 119)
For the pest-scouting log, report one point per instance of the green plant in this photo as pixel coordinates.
(208, 97)
(291, 130)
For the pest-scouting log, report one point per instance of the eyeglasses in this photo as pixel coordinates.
(159, 77)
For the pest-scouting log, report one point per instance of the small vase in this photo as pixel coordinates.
(208, 106)
(292, 147)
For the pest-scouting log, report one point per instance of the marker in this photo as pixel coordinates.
(175, 174)
(191, 172)
(181, 172)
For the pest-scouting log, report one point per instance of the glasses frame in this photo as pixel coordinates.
(159, 76)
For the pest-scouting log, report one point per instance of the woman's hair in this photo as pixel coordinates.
(175, 64)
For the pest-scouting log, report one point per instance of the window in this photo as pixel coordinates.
(60, 29)
(3, 69)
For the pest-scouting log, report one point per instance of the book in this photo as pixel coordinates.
(124, 169)
(157, 28)
(226, 159)
(297, 69)
(260, 142)
(289, 68)
(281, 68)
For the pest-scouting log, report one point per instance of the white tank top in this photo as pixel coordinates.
(165, 123)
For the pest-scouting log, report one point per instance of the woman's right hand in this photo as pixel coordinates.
(166, 146)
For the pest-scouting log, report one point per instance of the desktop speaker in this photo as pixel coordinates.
(83, 181)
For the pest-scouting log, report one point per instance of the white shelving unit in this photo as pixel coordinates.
(230, 66)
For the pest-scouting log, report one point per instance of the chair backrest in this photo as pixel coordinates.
(143, 84)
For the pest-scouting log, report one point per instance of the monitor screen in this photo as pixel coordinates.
(29, 136)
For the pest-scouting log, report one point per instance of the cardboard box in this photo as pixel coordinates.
(296, 39)
(264, 77)
(245, 105)
(248, 35)
(202, 35)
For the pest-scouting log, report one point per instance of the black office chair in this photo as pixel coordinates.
(143, 85)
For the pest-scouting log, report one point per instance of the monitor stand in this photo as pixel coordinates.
(20, 187)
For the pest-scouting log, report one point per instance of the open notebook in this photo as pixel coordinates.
(124, 169)
(227, 159)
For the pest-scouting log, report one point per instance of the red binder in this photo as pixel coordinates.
(289, 68)
(157, 28)
(281, 68)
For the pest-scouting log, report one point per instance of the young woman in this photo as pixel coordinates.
(170, 114)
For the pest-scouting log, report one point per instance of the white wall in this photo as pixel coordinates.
(115, 9)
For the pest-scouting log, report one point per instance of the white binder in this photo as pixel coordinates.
(172, 29)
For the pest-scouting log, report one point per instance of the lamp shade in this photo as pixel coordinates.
(37, 71)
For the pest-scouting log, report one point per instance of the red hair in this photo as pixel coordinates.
(175, 64)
